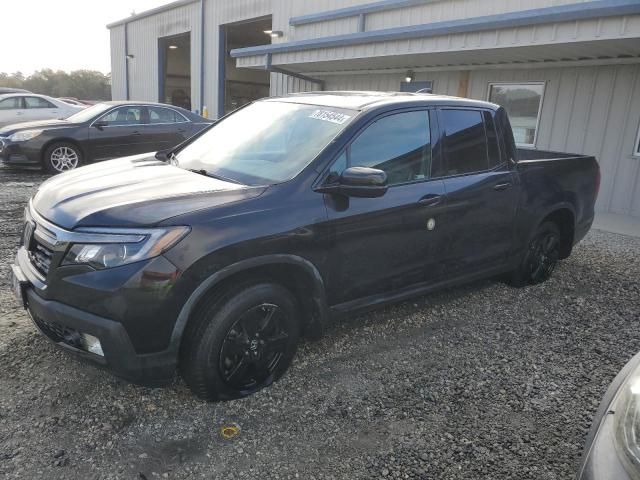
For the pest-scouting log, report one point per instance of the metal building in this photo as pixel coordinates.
(568, 71)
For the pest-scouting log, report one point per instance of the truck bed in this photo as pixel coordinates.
(532, 155)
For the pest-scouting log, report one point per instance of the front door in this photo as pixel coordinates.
(12, 111)
(382, 245)
(118, 133)
(482, 193)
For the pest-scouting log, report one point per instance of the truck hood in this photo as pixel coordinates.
(131, 191)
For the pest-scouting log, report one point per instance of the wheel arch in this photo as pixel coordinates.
(293, 272)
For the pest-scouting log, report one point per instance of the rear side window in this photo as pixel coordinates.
(465, 143)
(11, 103)
(37, 102)
(164, 115)
(398, 144)
(506, 134)
(492, 141)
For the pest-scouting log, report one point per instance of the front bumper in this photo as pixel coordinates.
(26, 154)
(53, 319)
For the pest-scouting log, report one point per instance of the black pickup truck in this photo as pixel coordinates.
(215, 257)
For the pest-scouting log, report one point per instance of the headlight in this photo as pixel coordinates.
(627, 422)
(24, 135)
(132, 246)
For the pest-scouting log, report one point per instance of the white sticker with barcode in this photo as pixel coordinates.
(328, 116)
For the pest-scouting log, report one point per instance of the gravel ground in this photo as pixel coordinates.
(482, 381)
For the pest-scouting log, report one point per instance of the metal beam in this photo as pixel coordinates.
(538, 16)
(270, 68)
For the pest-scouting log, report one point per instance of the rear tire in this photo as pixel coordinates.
(240, 341)
(61, 157)
(541, 257)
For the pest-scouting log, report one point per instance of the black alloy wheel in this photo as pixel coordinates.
(253, 347)
(242, 339)
(543, 256)
(540, 259)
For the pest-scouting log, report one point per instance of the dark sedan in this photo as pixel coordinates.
(103, 131)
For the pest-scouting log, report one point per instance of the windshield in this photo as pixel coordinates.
(88, 113)
(265, 142)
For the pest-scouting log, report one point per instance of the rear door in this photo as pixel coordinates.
(38, 108)
(482, 192)
(118, 133)
(381, 245)
(12, 110)
(167, 128)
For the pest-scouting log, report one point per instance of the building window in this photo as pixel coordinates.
(413, 86)
(523, 103)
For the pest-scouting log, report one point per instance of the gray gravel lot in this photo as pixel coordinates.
(482, 381)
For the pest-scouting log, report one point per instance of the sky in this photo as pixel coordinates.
(61, 34)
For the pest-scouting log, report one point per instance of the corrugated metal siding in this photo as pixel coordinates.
(143, 44)
(283, 84)
(444, 83)
(427, 13)
(591, 110)
(118, 89)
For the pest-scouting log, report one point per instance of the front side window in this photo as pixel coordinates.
(465, 143)
(123, 116)
(523, 102)
(37, 102)
(398, 144)
(11, 103)
(266, 142)
(164, 115)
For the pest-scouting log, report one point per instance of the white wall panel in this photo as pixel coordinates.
(118, 88)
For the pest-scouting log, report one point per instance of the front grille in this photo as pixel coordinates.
(40, 256)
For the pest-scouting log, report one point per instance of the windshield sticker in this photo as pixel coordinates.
(328, 116)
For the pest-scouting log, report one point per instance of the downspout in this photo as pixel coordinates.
(202, 56)
(126, 62)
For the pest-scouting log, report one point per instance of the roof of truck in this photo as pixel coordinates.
(361, 100)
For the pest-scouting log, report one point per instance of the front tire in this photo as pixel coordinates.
(61, 157)
(541, 257)
(240, 341)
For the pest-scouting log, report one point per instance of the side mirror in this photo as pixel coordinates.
(162, 155)
(99, 125)
(362, 182)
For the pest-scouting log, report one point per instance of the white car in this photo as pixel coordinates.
(27, 107)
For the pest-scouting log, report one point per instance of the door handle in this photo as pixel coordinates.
(135, 133)
(430, 200)
(502, 186)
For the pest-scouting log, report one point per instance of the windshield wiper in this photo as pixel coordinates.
(202, 171)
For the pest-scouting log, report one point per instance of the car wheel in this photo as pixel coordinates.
(240, 342)
(61, 157)
(541, 257)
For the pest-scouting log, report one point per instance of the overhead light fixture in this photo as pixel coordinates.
(409, 77)
(274, 33)
(173, 47)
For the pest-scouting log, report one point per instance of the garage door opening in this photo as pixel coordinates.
(242, 85)
(175, 70)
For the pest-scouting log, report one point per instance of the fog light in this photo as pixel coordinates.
(91, 344)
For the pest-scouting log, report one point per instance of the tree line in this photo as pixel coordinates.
(81, 84)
